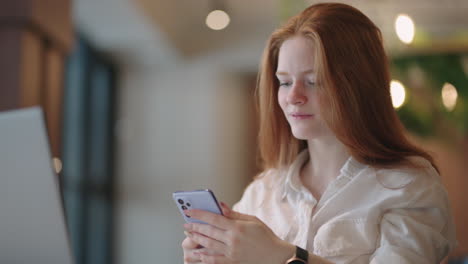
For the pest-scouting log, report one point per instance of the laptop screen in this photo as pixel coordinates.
(32, 225)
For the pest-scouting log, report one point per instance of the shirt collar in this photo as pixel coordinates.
(291, 185)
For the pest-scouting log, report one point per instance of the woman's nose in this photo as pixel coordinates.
(296, 95)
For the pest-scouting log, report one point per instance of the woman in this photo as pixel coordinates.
(341, 183)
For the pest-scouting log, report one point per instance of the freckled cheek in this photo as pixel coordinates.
(283, 106)
(282, 98)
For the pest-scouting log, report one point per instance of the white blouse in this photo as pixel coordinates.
(366, 215)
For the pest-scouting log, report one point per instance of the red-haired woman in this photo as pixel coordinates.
(341, 182)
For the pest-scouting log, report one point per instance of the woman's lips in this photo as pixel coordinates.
(301, 116)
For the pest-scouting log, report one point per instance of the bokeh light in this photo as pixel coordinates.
(449, 96)
(404, 28)
(398, 93)
(57, 165)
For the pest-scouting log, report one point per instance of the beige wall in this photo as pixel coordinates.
(183, 123)
(181, 128)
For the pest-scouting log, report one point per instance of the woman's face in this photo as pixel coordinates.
(297, 93)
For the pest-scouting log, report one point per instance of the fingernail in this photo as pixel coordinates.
(226, 210)
(187, 226)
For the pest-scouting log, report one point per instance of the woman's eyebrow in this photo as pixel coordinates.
(286, 73)
(282, 73)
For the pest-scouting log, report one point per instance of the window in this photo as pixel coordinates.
(87, 154)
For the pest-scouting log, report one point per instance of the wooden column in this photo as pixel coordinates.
(35, 38)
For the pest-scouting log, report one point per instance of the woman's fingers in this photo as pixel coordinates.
(208, 252)
(188, 243)
(238, 216)
(225, 208)
(191, 258)
(195, 256)
(190, 248)
(214, 259)
(229, 213)
(208, 242)
(213, 219)
(193, 250)
(207, 230)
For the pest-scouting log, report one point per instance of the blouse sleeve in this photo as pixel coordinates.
(241, 205)
(420, 230)
(254, 193)
(244, 205)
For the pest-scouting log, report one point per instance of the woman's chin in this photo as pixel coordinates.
(301, 135)
(307, 134)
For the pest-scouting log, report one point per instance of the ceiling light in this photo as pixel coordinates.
(217, 20)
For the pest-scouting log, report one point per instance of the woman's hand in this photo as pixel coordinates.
(236, 238)
(192, 250)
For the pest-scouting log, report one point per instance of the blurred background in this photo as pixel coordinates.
(146, 97)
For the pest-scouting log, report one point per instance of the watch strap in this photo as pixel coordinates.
(302, 254)
(300, 257)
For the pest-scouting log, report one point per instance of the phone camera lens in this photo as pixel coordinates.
(188, 204)
(184, 207)
(181, 201)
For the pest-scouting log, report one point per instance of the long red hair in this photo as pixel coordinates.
(353, 82)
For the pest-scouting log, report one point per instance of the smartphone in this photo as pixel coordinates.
(198, 199)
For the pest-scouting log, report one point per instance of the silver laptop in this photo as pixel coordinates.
(32, 225)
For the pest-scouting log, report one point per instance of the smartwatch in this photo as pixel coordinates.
(300, 257)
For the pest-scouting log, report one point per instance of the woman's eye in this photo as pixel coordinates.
(284, 84)
(311, 83)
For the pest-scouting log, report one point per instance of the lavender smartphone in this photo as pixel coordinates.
(199, 199)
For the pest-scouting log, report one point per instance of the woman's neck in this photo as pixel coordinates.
(327, 155)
